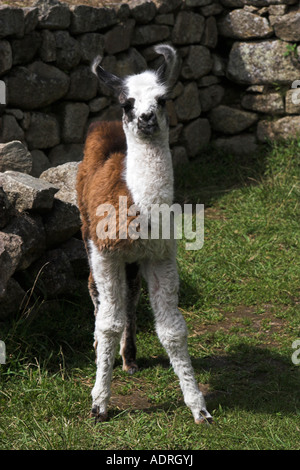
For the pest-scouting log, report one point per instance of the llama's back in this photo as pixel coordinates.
(103, 140)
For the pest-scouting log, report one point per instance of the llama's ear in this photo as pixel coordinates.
(110, 80)
(167, 69)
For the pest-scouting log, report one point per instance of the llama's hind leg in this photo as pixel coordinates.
(127, 345)
(94, 294)
(171, 328)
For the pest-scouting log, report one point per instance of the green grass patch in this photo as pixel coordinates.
(240, 297)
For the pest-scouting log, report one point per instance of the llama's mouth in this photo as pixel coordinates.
(148, 129)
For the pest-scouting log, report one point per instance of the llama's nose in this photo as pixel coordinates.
(147, 119)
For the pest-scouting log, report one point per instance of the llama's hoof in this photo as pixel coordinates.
(204, 417)
(131, 368)
(97, 416)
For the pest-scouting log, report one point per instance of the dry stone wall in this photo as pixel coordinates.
(233, 88)
(238, 60)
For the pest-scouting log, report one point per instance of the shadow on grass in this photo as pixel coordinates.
(252, 378)
(249, 378)
(207, 178)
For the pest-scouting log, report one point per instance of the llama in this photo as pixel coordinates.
(132, 158)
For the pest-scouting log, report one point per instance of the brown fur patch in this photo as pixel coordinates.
(100, 181)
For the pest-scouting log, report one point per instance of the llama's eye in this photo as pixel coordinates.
(127, 106)
(162, 102)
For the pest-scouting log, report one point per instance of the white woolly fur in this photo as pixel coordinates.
(149, 177)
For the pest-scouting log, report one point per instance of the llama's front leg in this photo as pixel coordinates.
(109, 324)
(171, 328)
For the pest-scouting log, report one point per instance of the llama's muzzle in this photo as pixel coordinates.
(147, 123)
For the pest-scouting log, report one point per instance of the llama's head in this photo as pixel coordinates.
(143, 96)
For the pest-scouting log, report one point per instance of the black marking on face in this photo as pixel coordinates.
(128, 105)
(161, 101)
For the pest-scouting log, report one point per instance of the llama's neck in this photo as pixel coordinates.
(149, 171)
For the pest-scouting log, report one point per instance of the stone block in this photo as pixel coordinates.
(27, 193)
(150, 34)
(36, 85)
(230, 120)
(91, 45)
(169, 6)
(241, 24)
(11, 21)
(48, 46)
(24, 50)
(68, 52)
(65, 153)
(142, 12)
(287, 27)
(269, 103)
(118, 39)
(188, 29)
(28, 233)
(256, 3)
(197, 63)
(126, 63)
(74, 119)
(197, 3)
(187, 105)
(53, 14)
(15, 156)
(61, 223)
(10, 256)
(77, 256)
(211, 97)
(210, 35)
(10, 129)
(285, 128)
(40, 162)
(253, 63)
(43, 131)
(63, 177)
(99, 103)
(31, 18)
(196, 136)
(5, 57)
(86, 19)
(83, 84)
(292, 101)
(54, 275)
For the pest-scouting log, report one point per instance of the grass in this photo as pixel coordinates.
(240, 297)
